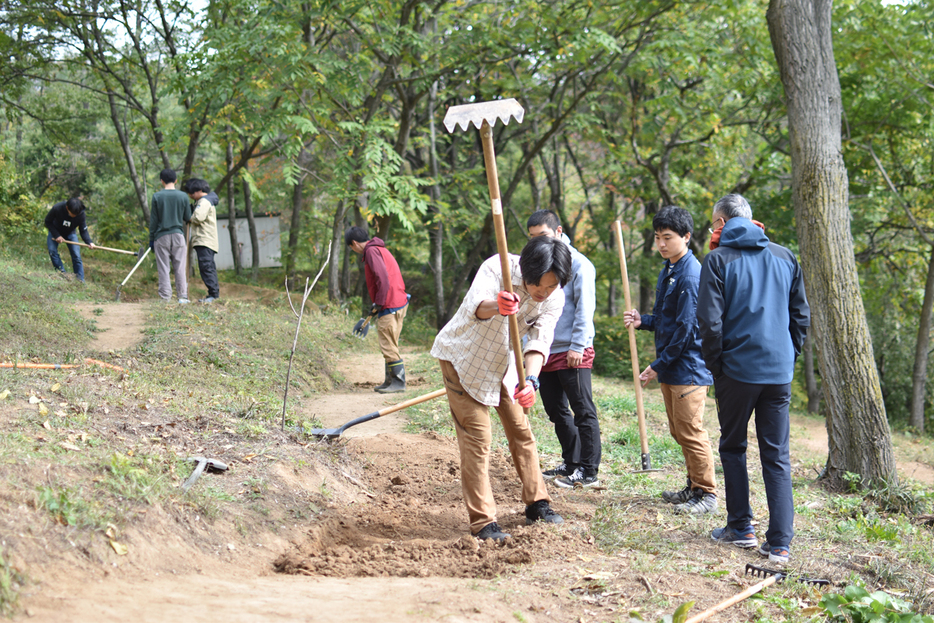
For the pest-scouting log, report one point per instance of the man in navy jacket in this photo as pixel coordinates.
(62, 221)
(679, 366)
(753, 318)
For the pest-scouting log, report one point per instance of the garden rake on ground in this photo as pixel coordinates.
(771, 577)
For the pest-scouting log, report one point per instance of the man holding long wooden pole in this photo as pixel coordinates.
(473, 350)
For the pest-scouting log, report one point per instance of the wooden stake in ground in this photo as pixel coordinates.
(634, 355)
(483, 116)
(299, 314)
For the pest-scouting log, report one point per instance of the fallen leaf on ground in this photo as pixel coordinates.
(4, 394)
(55, 387)
(120, 548)
(34, 400)
(47, 425)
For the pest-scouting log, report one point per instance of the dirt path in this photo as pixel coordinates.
(120, 325)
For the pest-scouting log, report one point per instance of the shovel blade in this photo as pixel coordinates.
(467, 114)
(361, 328)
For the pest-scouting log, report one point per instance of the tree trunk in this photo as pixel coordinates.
(810, 378)
(254, 239)
(232, 211)
(128, 154)
(857, 429)
(919, 374)
(337, 243)
(295, 225)
(436, 226)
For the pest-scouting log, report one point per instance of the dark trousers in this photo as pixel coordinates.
(208, 270)
(735, 403)
(578, 432)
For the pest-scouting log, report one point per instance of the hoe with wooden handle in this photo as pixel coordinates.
(483, 116)
(81, 244)
(634, 355)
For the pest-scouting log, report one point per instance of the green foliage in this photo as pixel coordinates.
(857, 605)
(20, 213)
(11, 581)
(611, 345)
(64, 505)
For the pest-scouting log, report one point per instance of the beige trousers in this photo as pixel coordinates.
(685, 407)
(388, 328)
(474, 439)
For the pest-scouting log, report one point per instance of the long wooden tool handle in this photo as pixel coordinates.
(752, 590)
(492, 180)
(634, 355)
(412, 402)
(97, 246)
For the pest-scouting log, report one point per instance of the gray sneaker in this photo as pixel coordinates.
(701, 503)
(679, 497)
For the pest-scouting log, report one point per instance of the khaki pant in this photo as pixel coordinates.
(474, 439)
(685, 407)
(388, 328)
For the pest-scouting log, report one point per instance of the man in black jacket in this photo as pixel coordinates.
(61, 221)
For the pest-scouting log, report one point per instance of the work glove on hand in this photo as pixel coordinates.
(525, 396)
(375, 309)
(508, 303)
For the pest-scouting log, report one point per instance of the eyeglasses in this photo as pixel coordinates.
(711, 230)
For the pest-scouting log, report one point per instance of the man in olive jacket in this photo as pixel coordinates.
(204, 235)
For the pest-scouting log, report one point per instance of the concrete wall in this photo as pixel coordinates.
(267, 230)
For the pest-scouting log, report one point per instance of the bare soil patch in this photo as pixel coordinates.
(371, 527)
(120, 325)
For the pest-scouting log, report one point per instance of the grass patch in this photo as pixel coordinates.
(11, 581)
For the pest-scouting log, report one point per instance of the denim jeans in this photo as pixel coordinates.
(75, 251)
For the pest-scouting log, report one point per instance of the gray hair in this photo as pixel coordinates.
(733, 206)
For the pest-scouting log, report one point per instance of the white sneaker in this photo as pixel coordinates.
(183, 301)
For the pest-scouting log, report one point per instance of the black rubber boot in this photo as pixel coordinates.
(396, 378)
(385, 382)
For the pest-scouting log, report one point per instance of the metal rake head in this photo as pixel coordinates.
(476, 114)
(763, 572)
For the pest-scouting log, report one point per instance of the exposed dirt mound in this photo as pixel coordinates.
(415, 525)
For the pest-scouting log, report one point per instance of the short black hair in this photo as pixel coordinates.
(674, 218)
(543, 217)
(168, 176)
(75, 206)
(194, 185)
(355, 234)
(544, 254)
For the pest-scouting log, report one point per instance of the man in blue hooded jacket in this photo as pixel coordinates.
(753, 318)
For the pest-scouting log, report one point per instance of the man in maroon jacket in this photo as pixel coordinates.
(390, 302)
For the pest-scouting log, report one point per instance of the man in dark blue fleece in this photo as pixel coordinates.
(753, 318)
(61, 221)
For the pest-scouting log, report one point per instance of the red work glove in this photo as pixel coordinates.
(525, 396)
(508, 303)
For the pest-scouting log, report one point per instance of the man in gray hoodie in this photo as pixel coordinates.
(565, 377)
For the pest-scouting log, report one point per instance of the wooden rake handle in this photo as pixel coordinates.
(492, 180)
(634, 355)
(723, 605)
(97, 246)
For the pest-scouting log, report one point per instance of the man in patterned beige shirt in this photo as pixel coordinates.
(475, 358)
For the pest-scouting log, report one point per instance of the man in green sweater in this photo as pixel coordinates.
(167, 217)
